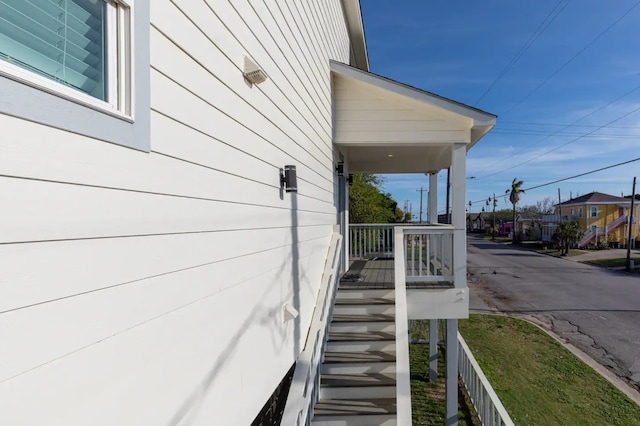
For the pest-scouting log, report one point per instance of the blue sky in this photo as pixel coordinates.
(458, 48)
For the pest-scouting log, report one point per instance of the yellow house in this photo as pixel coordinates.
(604, 218)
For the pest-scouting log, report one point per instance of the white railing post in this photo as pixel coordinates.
(403, 374)
(484, 399)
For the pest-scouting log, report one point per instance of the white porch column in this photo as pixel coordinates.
(346, 241)
(432, 201)
(432, 217)
(458, 219)
(458, 216)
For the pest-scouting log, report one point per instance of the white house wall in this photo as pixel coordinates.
(147, 288)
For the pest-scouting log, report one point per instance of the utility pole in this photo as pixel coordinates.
(493, 225)
(633, 198)
(559, 205)
(421, 191)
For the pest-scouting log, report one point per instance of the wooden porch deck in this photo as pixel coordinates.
(379, 274)
(369, 274)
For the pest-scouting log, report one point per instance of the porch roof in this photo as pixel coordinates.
(384, 126)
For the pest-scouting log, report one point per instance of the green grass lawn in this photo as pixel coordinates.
(539, 381)
(427, 399)
(610, 263)
(556, 253)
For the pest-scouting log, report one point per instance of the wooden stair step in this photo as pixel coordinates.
(337, 336)
(358, 380)
(360, 407)
(364, 301)
(362, 317)
(365, 356)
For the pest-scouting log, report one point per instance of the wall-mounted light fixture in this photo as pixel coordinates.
(350, 179)
(340, 168)
(288, 179)
(252, 72)
(289, 313)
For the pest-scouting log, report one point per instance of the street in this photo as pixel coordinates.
(595, 309)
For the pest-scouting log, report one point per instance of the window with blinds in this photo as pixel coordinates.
(81, 44)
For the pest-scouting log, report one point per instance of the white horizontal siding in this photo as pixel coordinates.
(33, 312)
(78, 211)
(144, 288)
(366, 114)
(155, 363)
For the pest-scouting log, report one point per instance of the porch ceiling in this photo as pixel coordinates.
(387, 127)
(398, 159)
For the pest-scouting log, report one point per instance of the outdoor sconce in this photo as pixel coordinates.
(350, 180)
(289, 313)
(252, 73)
(340, 169)
(288, 179)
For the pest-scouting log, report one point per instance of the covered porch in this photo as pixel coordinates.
(382, 126)
(387, 275)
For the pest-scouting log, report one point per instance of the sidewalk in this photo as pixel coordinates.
(603, 254)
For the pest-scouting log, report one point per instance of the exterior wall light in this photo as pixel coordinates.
(288, 179)
(350, 179)
(252, 72)
(340, 169)
(289, 313)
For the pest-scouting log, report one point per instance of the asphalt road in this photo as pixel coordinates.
(595, 309)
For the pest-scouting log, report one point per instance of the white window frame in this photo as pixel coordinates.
(579, 211)
(125, 119)
(593, 209)
(118, 69)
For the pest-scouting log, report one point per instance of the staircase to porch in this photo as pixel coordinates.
(590, 235)
(358, 374)
(355, 368)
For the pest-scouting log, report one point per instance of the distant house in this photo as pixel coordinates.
(604, 218)
(479, 222)
(528, 229)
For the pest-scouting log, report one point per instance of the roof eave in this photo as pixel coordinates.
(483, 121)
(355, 26)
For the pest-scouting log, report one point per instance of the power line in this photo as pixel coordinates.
(532, 39)
(584, 174)
(531, 123)
(570, 177)
(563, 128)
(564, 144)
(562, 134)
(574, 57)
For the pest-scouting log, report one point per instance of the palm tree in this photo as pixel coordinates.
(514, 197)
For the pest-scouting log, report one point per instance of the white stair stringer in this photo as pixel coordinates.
(358, 373)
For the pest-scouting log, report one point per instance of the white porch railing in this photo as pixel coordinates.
(305, 386)
(484, 399)
(429, 253)
(403, 366)
(588, 236)
(616, 223)
(370, 240)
